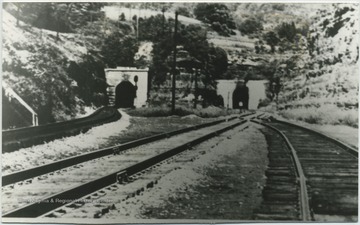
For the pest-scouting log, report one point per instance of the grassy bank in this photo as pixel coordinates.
(163, 111)
(326, 114)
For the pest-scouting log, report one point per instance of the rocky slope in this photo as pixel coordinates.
(326, 77)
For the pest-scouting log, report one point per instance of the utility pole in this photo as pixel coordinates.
(163, 20)
(174, 66)
(137, 25)
(196, 88)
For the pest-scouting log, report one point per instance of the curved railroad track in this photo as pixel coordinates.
(27, 195)
(311, 177)
(15, 139)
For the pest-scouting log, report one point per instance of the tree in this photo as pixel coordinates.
(259, 47)
(159, 68)
(134, 18)
(154, 28)
(61, 17)
(213, 60)
(122, 17)
(183, 11)
(287, 30)
(250, 26)
(218, 62)
(48, 89)
(269, 70)
(279, 7)
(90, 78)
(272, 40)
(19, 10)
(194, 39)
(217, 15)
(119, 50)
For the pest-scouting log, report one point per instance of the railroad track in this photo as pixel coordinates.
(15, 139)
(23, 175)
(311, 177)
(36, 196)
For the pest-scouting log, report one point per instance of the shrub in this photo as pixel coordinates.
(279, 7)
(250, 26)
(350, 118)
(287, 30)
(264, 103)
(184, 11)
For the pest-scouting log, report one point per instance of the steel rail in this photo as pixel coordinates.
(341, 144)
(304, 197)
(61, 164)
(57, 200)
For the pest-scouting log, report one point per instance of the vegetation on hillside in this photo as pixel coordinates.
(324, 78)
(55, 53)
(193, 46)
(60, 17)
(57, 66)
(68, 45)
(217, 15)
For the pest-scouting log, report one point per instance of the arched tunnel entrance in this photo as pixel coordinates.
(225, 88)
(121, 81)
(125, 93)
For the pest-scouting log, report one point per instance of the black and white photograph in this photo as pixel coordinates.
(180, 112)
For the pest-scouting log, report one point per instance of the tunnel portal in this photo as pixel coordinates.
(121, 93)
(225, 88)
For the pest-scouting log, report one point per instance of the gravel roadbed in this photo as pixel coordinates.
(20, 194)
(219, 179)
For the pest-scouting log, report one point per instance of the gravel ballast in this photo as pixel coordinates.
(221, 179)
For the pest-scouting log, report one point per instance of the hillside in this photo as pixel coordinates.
(241, 48)
(34, 64)
(319, 77)
(274, 14)
(59, 74)
(313, 53)
(327, 77)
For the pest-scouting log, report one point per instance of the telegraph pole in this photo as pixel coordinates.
(137, 25)
(196, 88)
(174, 66)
